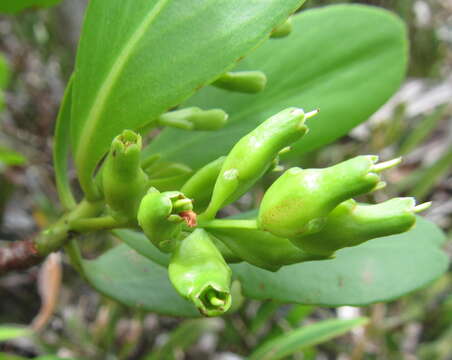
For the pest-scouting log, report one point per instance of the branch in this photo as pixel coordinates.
(19, 255)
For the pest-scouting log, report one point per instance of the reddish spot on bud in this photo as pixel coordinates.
(190, 217)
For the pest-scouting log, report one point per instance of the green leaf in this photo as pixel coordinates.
(61, 143)
(135, 281)
(296, 340)
(346, 60)
(298, 313)
(141, 244)
(4, 72)
(8, 332)
(9, 157)
(4, 78)
(422, 130)
(264, 313)
(426, 179)
(378, 270)
(13, 6)
(137, 59)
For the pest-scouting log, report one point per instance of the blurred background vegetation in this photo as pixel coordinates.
(76, 322)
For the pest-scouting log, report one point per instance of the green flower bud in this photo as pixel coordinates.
(261, 248)
(200, 274)
(193, 118)
(351, 224)
(200, 186)
(163, 217)
(124, 183)
(254, 154)
(282, 30)
(242, 81)
(299, 201)
(166, 176)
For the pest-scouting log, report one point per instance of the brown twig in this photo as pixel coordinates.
(18, 255)
(23, 254)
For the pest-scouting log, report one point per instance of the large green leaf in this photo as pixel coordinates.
(379, 270)
(289, 343)
(139, 242)
(13, 6)
(136, 281)
(137, 59)
(346, 60)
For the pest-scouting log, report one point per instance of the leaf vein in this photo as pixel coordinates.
(112, 77)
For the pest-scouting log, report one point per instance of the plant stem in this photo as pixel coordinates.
(26, 253)
(95, 224)
(228, 224)
(56, 235)
(18, 255)
(75, 258)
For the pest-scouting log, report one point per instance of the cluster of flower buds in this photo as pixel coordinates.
(299, 201)
(305, 215)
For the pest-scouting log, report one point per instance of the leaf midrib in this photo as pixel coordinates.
(112, 77)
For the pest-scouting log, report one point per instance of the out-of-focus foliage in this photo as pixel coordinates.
(4, 78)
(293, 341)
(11, 332)
(9, 157)
(14, 6)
